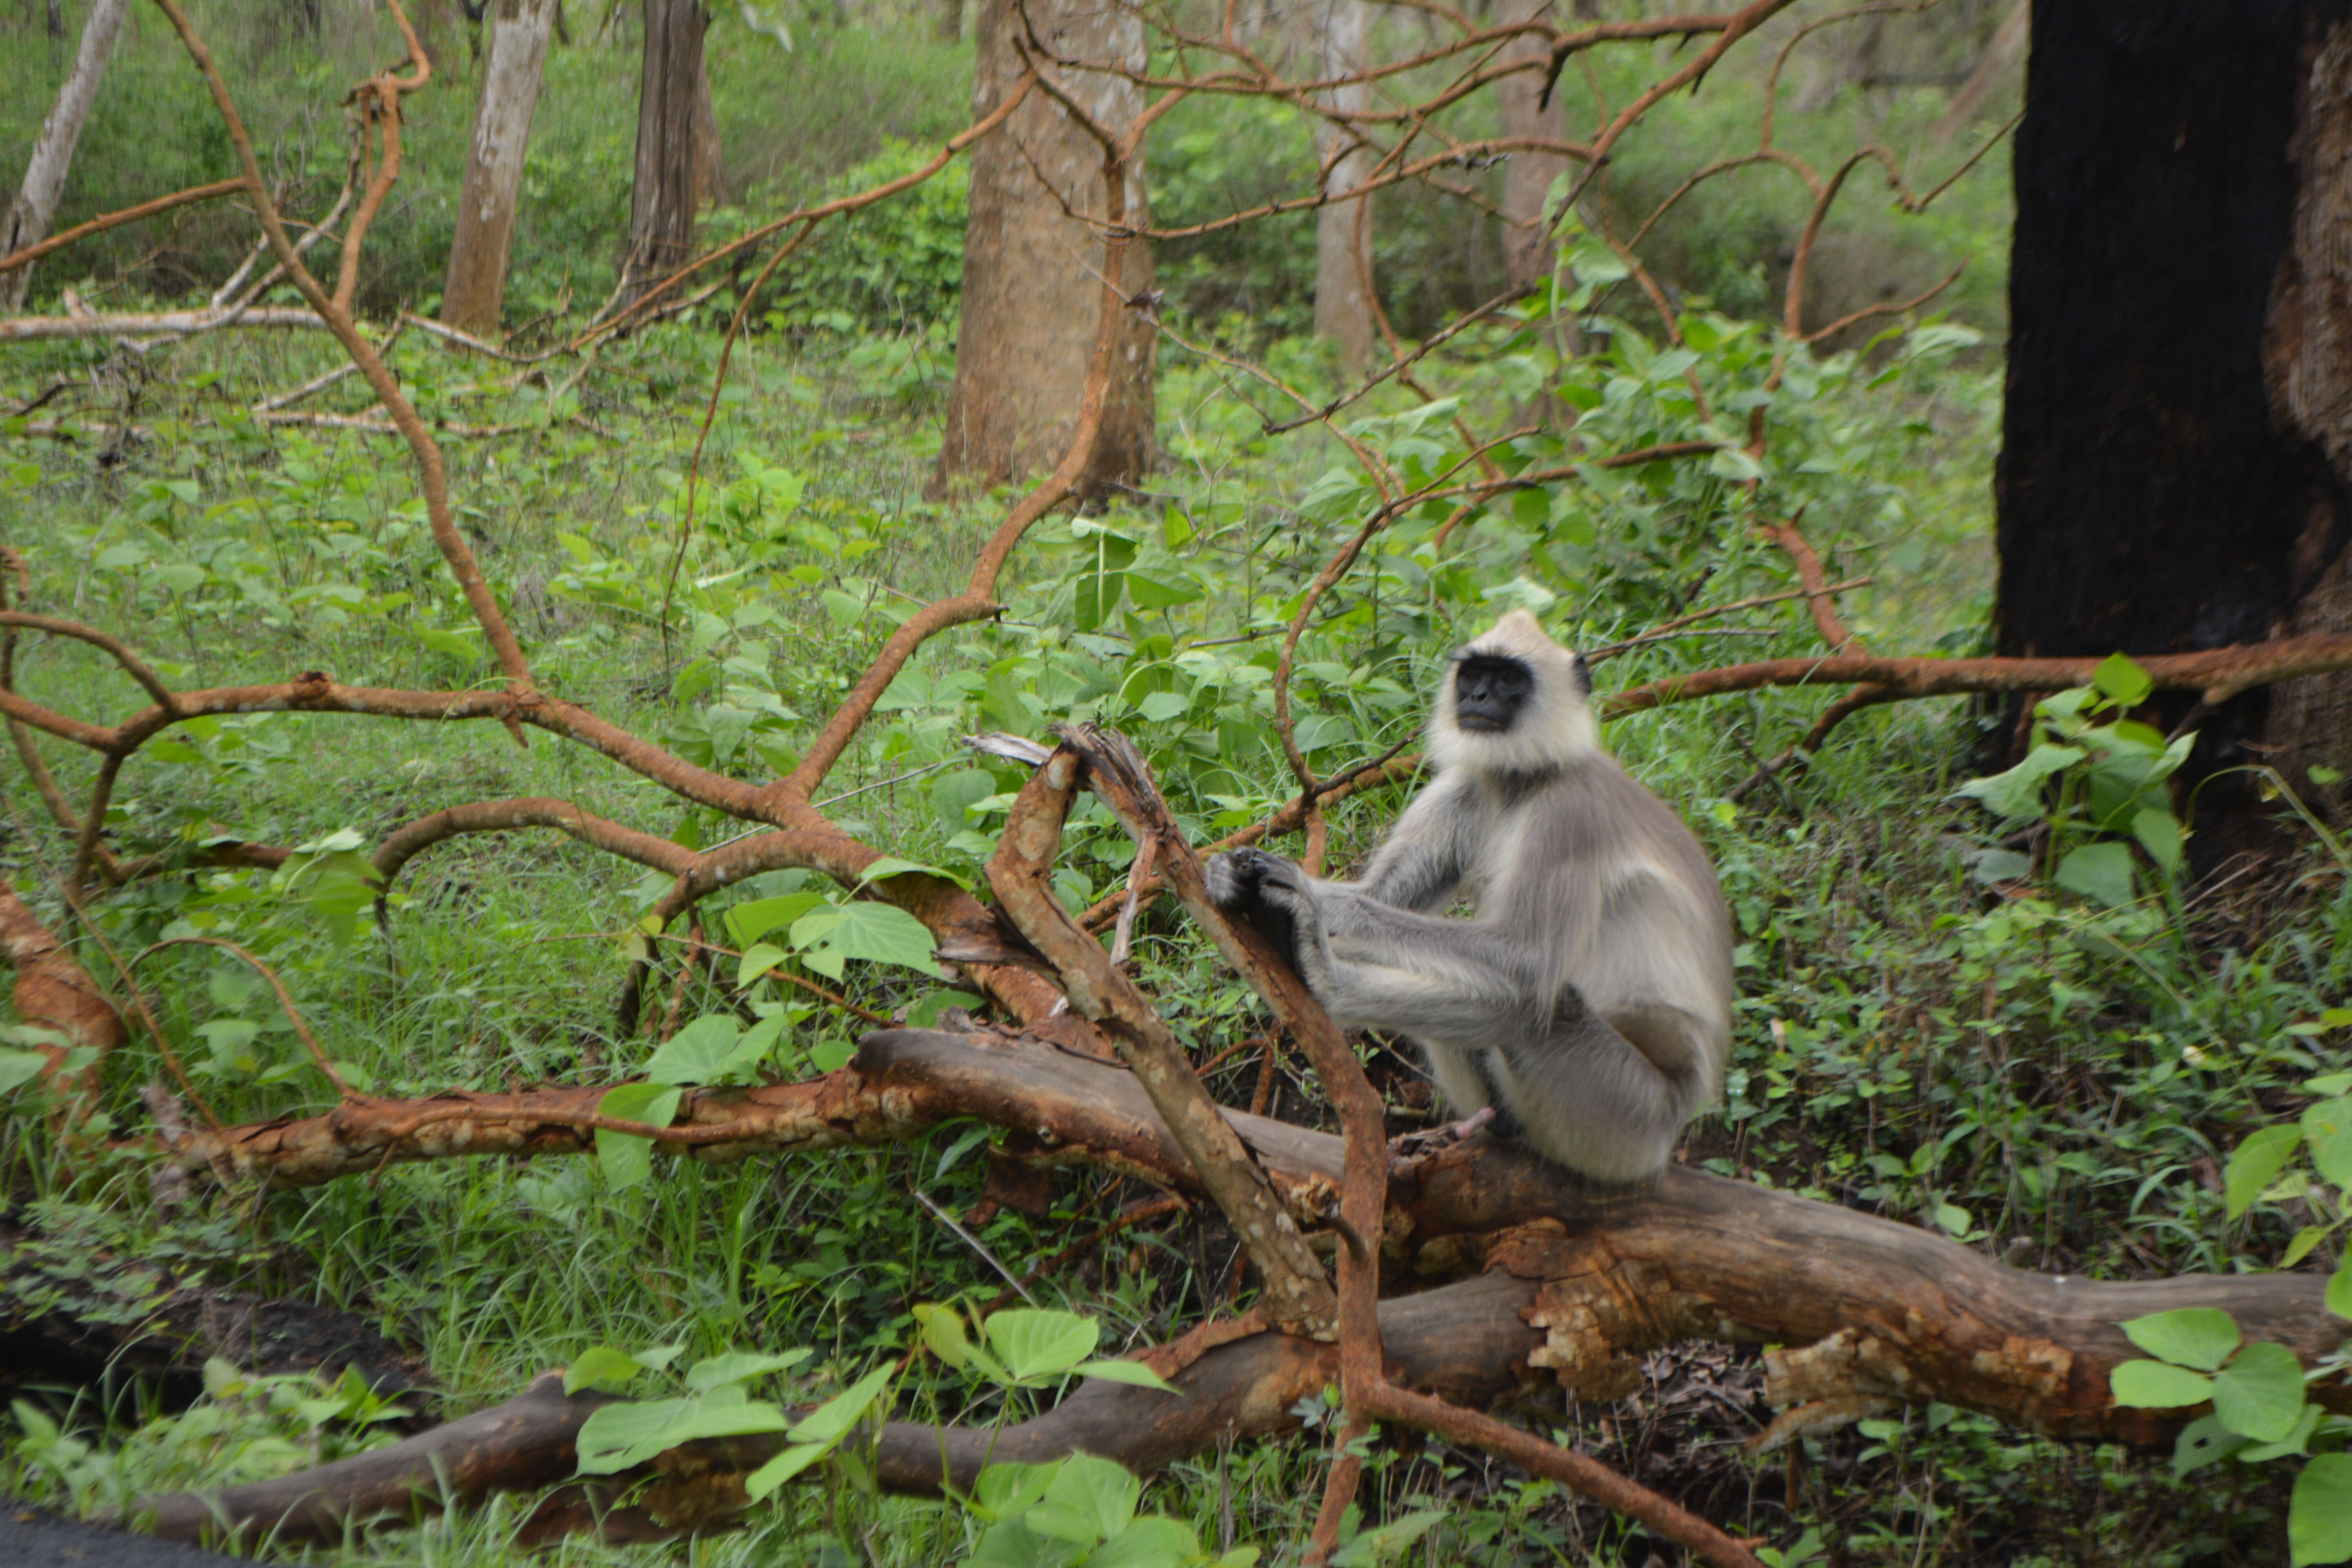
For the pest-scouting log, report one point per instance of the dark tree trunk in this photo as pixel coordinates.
(2174, 454)
(1032, 288)
(669, 172)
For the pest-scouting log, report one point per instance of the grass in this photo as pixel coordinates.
(2055, 1083)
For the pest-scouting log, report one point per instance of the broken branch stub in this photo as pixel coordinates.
(1296, 1295)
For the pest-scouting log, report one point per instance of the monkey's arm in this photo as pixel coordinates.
(1427, 854)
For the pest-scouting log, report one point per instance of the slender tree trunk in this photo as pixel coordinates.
(1031, 289)
(477, 282)
(709, 179)
(1999, 59)
(1343, 230)
(1528, 248)
(661, 211)
(2177, 440)
(36, 206)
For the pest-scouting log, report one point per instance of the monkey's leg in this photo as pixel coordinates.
(1586, 1097)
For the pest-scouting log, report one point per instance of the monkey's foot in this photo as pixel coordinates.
(1481, 1117)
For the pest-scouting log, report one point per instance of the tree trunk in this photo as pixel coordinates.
(35, 206)
(1343, 230)
(661, 211)
(2176, 438)
(477, 282)
(2307, 358)
(709, 179)
(1031, 285)
(1528, 248)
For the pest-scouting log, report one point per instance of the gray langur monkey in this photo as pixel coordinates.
(1589, 1004)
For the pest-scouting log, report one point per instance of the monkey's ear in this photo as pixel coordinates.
(1581, 673)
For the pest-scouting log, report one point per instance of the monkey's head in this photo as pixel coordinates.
(1514, 701)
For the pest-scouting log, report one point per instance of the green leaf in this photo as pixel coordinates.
(1037, 1343)
(750, 922)
(739, 1366)
(817, 1434)
(892, 866)
(832, 1420)
(2201, 1443)
(19, 1067)
(2319, 1518)
(2327, 1129)
(2121, 681)
(1733, 464)
(604, 1368)
(1128, 1372)
(2259, 1394)
(2297, 1442)
(1390, 1540)
(757, 959)
(943, 1331)
(843, 609)
(1001, 1492)
(1097, 596)
(954, 795)
(2151, 1384)
(1089, 1499)
(1161, 592)
(459, 645)
(694, 1055)
(1160, 706)
(617, 1436)
(2017, 793)
(2100, 871)
(627, 1158)
(2299, 1248)
(2158, 832)
(2339, 1289)
(2255, 1165)
(876, 933)
(2201, 1337)
(1151, 1542)
(1012, 1545)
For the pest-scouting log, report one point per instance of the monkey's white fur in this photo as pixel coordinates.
(1555, 729)
(1590, 1002)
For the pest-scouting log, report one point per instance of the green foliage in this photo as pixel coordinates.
(244, 1429)
(2260, 1415)
(2081, 780)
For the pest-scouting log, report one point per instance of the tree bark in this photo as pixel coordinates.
(1527, 247)
(36, 206)
(669, 87)
(1343, 230)
(2307, 359)
(1030, 285)
(476, 287)
(2172, 474)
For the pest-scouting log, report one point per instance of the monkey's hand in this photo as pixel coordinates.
(1241, 880)
(1267, 891)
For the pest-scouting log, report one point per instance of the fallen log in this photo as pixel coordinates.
(1884, 1312)
(52, 329)
(72, 1315)
(1467, 1341)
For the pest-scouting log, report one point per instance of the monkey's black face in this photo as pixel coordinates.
(1488, 692)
